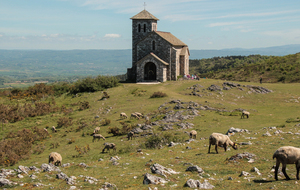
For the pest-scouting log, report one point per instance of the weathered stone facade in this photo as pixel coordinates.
(156, 56)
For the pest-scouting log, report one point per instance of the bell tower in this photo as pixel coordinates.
(142, 24)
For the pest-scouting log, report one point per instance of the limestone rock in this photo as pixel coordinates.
(151, 179)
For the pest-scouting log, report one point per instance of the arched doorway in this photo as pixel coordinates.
(150, 71)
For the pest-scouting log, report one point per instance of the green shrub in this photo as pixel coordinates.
(64, 122)
(153, 141)
(114, 130)
(138, 92)
(90, 84)
(105, 122)
(158, 95)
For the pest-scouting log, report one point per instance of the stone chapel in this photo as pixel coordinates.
(156, 56)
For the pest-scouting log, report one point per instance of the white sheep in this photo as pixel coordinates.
(46, 130)
(130, 135)
(53, 129)
(192, 134)
(96, 130)
(138, 114)
(55, 158)
(134, 115)
(245, 113)
(219, 139)
(109, 146)
(123, 115)
(287, 155)
(98, 136)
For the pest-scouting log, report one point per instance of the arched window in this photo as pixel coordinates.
(139, 28)
(144, 27)
(153, 45)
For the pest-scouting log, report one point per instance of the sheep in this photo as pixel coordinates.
(109, 146)
(123, 115)
(287, 155)
(96, 130)
(55, 158)
(130, 135)
(97, 136)
(134, 115)
(53, 129)
(245, 113)
(138, 114)
(46, 130)
(219, 139)
(193, 134)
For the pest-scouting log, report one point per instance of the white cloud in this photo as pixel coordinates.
(112, 36)
(1, 35)
(291, 34)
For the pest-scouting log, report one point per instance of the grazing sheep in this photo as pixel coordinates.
(53, 129)
(123, 115)
(46, 130)
(287, 155)
(98, 136)
(55, 158)
(138, 114)
(193, 134)
(219, 139)
(245, 113)
(130, 135)
(96, 130)
(109, 146)
(134, 115)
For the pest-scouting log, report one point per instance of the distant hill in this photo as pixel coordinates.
(275, 51)
(53, 65)
(251, 68)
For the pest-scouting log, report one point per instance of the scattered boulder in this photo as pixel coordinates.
(5, 182)
(107, 186)
(61, 175)
(82, 165)
(196, 183)
(243, 173)
(233, 130)
(137, 130)
(66, 165)
(151, 179)
(49, 167)
(214, 87)
(267, 134)
(195, 168)
(239, 156)
(159, 169)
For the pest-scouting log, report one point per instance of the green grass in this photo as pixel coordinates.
(267, 110)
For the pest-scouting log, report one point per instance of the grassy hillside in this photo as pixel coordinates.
(251, 68)
(75, 144)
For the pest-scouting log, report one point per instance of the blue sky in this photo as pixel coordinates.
(106, 24)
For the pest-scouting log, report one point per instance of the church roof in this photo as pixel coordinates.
(170, 38)
(184, 51)
(152, 55)
(145, 15)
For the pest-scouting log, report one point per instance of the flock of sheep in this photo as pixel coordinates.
(284, 155)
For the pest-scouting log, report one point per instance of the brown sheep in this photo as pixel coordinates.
(287, 155)
(55, 158)
(123, 115)
(219, 139)
(130, 135)
(109, 146)
(98, 136)
(245, 113)
(46, 130)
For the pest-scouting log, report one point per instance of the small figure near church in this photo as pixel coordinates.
(156, 56)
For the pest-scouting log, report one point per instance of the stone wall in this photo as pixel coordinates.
(161, 70)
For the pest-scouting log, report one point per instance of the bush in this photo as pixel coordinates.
(153, 141)
(84, 105)
(158, 95)
(105, 122)
(90, 84)
(64, 122)
(114, 130)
